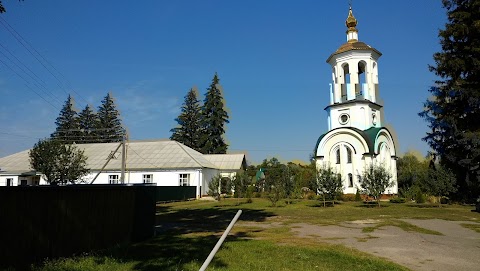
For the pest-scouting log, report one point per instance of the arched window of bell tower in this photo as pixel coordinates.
(346, 83)
(349, 155)
(362, 79)
(337, 155)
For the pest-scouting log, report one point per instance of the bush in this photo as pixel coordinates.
(398, 200)
(250, 191)
(347, 197)
(419, 197)
(249, 200)
(357, 196)
(444, 200)
(311, 195)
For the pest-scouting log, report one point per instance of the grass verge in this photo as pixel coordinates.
(187, 231)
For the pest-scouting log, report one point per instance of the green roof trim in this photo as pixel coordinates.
(370, 135)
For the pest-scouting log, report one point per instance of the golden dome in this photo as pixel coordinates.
(351, 22)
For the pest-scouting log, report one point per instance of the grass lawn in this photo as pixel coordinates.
(187, 231)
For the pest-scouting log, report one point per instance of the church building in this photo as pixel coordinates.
(356, 136)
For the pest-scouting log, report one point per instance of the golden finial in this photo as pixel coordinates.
(351, 22)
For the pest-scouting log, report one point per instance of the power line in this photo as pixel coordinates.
(6, 65)
(36, 83)
(24, 43)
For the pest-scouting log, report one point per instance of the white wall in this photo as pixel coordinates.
(360, 116)
(16, 180)
(342, 138)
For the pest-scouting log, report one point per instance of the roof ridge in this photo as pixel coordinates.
(181, 146)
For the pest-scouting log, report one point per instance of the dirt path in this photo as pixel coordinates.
(457, 249)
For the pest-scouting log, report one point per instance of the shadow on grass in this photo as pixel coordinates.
(184, 238)
(327, 204)
(372, 204)
(424, 205)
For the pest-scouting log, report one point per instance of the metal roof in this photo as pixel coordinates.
(227, 161)
(141, 155)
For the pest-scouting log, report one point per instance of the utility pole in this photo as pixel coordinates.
(124, 158)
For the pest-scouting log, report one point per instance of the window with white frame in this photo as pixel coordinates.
(113, 179)
(184, 179)
(147, 178)
(350, 180)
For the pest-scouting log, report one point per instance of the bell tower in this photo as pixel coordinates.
(354, 100)
(356, 136)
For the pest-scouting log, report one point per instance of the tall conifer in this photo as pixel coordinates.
(453, 113)
(110, 127)
(189, 122)
(88, 124)
(214, 117)
(67, 123)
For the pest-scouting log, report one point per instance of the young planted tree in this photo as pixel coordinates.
(329, 183)
(453, 113)
(67, 123)
(189, 122)
(88, 124)
(214, 187)
(214, 118)
(375, 180)
(275, 179)
(60, 163)
(110, 127)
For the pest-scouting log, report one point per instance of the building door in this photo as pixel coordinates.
(9, 181)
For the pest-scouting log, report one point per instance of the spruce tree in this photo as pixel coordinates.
(453, 113)
(67, 123)
(189, 122)
(214, 117)
(88, 124)
(110, 127)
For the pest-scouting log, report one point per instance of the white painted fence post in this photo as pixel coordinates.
(220, 241)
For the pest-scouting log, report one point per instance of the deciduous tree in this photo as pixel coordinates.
(329, 183)
(412, 175)
(60, 163)
(375, 181)
(440, 181)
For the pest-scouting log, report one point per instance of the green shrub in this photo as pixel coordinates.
(419, 197)
(347, 197)
(398, 200)
(357, 196)
(311, 195)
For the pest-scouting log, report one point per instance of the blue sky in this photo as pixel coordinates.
(270, 57)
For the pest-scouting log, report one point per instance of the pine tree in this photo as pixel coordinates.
(88, 124)
(67, 123)
(189, 122)
(110, 127)
(453, 113)
(214, 117)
